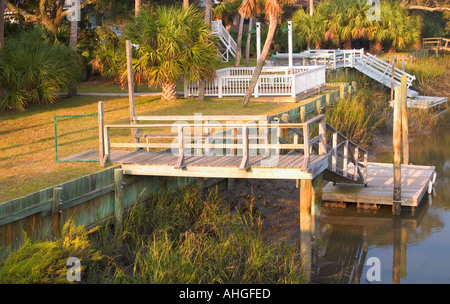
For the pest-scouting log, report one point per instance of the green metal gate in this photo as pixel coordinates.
(76, 138)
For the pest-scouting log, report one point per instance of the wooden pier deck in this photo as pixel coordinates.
(223, 166)
(380, 184)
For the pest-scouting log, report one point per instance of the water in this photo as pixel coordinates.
(416, 250)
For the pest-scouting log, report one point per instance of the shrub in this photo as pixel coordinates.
(34, 70)
(45, 261)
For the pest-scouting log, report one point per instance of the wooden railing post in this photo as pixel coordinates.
(323, 134)
(107, 156)
(365, 168)
(306, 149)
(345, 159)
(180, 162)
(355, 172)
(334, 156)
(244, 163)
(101, 135)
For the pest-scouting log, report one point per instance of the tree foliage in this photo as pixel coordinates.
(174, 43)
(341, 22)
(34, 70)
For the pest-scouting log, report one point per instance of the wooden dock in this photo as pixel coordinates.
(416, 182)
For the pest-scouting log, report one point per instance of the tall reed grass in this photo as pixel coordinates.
(187, 236)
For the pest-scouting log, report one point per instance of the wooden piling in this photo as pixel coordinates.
(316, 204)
(396, 141)
(306, 191)
(405, 142)
(118, 202)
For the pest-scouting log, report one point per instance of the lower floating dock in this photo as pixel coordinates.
(416, 181)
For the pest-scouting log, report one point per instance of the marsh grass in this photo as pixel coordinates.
(44, 261)
(193, 237)
(432, 74)
(185, 236)
(358, 115)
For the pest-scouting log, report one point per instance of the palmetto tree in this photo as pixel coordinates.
(273, 11)
(307, 29)
(396, 27)
(174, 43)
(347, 20)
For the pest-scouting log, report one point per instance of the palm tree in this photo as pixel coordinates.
(174, 43)
(239, 40)
(347, 21)
(307, 30)
(396, 28)
(273, 12)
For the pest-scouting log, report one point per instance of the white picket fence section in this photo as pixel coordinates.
(228, 44)
(274, 81)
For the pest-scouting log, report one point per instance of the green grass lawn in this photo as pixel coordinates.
(27, 143)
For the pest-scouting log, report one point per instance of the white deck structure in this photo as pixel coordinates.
(274, 81)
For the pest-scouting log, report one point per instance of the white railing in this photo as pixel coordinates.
(278, 81)
(220, 31)
(383, 67)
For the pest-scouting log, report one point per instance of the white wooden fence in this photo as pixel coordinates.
(276, 81)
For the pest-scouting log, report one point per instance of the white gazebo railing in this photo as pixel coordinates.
(276, 81)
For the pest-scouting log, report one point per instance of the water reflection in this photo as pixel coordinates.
(343, 247)
(413, 248)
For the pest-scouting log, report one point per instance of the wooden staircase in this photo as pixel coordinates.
(227, 44)
(347, 162)
(381, 71)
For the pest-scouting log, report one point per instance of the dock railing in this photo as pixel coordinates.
(232, 138)
(384, 68)
(344, 152)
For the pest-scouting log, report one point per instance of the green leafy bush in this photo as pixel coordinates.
(34, 70)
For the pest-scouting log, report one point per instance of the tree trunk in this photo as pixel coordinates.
(208, 8)
(311, 7)
(247, 45)
(185, 4)
(169, 91)
(201, 90)
(202, 82)
(137, 7)
(239, 41)
(2, 22)
(73, 44)
(259, 65)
